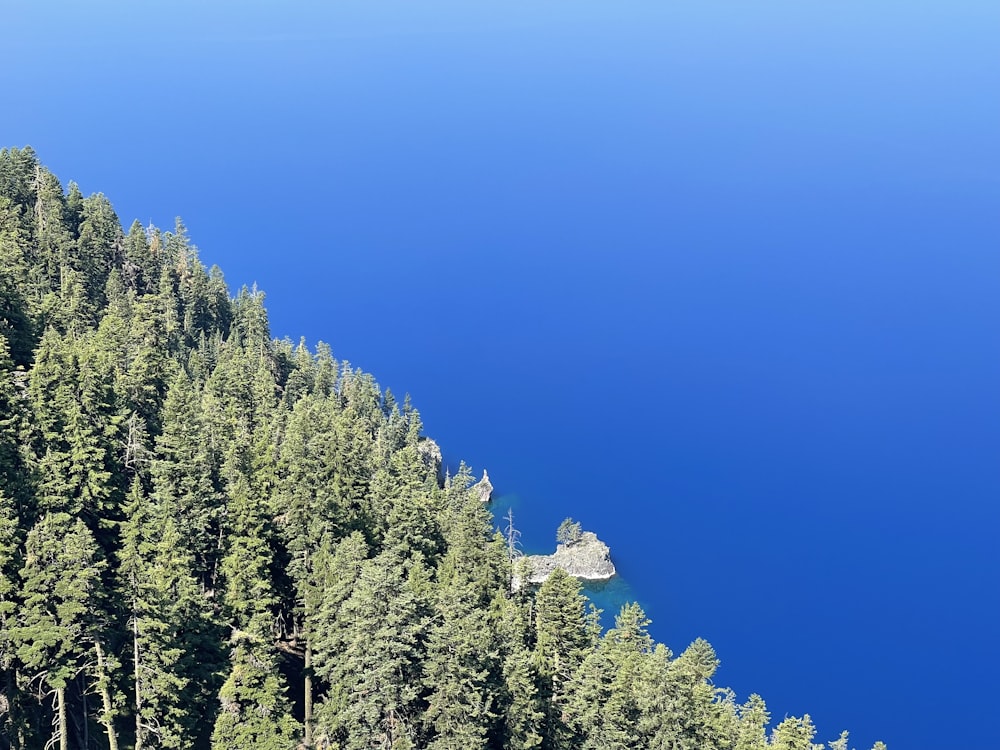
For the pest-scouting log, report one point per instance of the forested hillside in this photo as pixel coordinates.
(210, 538)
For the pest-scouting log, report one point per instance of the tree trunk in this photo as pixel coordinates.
(107, 718)
(84, 710)
(19, 717)
(7, 698)
(308, 697)
(138, 693)
(63, 723)
(307, 671)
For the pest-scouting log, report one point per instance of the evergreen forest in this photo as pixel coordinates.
(210, 538)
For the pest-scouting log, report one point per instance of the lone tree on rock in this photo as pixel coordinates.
(569, 532)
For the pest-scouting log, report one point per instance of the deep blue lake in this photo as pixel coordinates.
(719, 280)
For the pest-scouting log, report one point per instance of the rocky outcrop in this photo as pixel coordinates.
(588, 558)
(430, 454)
(483, 489)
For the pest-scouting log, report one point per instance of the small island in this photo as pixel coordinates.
(579, 553)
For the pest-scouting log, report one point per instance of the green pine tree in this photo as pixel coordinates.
(57, 623)
(375, 695)
(255, 711)
(176, 643)
(562, 641)
(463, 666)
(754, 718)
(794, 734)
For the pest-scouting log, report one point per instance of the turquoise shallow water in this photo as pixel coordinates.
(608, 595)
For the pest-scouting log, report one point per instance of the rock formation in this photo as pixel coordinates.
(430, 454)
(483, 488)
(588, 558)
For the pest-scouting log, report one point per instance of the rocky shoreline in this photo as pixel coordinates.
(588, 558)
(581, 555)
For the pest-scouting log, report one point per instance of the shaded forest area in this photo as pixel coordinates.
(213, 539)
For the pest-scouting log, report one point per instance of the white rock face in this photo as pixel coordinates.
(589, 558)
(430, 454)
(483, 488)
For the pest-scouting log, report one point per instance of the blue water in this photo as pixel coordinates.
(719, 280)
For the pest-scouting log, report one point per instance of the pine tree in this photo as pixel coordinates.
(175, 639)
(463, 666)
(794, 734)
(305, 499)
(56, 282)
(754, 718)
(16, 478)
(133, 343)
(338, 567)
(562, 642)
(524, 710)
(603, 704)
(9, 562)
(16, 327)
(56, 621)
(255, 711)
(700, 717)
(374, 685)
(250, 322)
(99, 246)
(185, 480)
(77, 429)
(139, 267)
(522, 717)
(308, 512)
